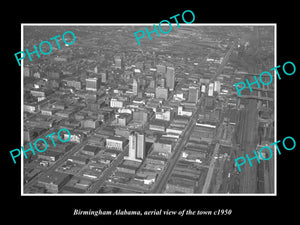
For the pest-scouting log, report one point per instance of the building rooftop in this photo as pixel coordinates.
(51, 153)
(90, 148)
(116, 138)
(164, 141)
(159, 122)
(54, 177)
(77, 158)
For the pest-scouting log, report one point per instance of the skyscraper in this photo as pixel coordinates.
(132, 147)
(141, 146)
(92, 84)
(163, 82)
(210, 89)
(136, 146)
(152, 83)
(103, 77)
(217, 86)
(135, 86)
(170, 78)
(118, 62)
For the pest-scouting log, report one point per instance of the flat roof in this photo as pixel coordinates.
(53, 177)
(90, 148)
(75, 157)
(159, 122)
(164, 141)
(116, 138)
(50, 153)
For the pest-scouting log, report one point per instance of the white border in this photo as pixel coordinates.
(150, 24)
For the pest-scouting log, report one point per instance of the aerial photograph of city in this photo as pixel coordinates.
(158, 117)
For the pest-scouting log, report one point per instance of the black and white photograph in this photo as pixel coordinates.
(150, 113)
(163, 117)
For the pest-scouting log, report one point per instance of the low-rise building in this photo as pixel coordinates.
(161, 92)
(158, 125)
(54, 181)
(76, 137)
(116, 142)
(78, 159)
(117, 103)
(177, 185)
(31, 108)
(122, 131)
(97, 140)
(123, 119)
(126, 169)
(163, 114)
(163, 146)
(174, 130)
(184, 112)
(90, 150)
(48, 111)
(90, 123)
(140, 116)
(49, 155)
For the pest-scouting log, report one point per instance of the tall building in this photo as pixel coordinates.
(203, 88)
(142, 83)
(170, 78)
(137, 146)
(103, 77)
(118, 62)
(217, 86)
(152, 83)
(141, 146)
(193, 94)
(210, 89)
(135, 86)
(163, 82)
(132, 147)
(92, 84)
